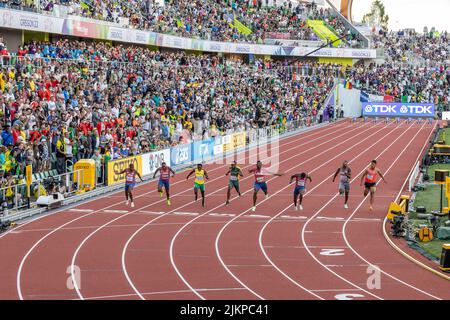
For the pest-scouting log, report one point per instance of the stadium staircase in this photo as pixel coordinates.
(242, 29)
(320, 28)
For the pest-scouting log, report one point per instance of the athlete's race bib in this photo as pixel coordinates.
(260, 179)
(369, 176)
(129, 178)
(199, 178)
(301, 183)
(233, 178)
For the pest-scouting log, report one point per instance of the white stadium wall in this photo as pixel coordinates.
(350, 100)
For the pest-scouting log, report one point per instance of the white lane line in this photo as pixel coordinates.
(361, 203)
(365, 219)
(255, 216)
(185, 213)
(333, 290)
(301, 136)
(182, 228)
(294, 217)
(332, 127)
(80, 210)
(155, 219)
(160, 293)
(221, 214)
(115, 211)
(357, 176)
(151, 212)
(285, 209)
(267, 258)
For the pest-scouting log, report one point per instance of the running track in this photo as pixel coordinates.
(229, 252)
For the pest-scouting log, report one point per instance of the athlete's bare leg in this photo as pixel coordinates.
(203, 197)
(255, 197)
(372, 198)
(228, 195)
(167, 193)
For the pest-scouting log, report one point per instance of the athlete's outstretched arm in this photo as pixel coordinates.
(349, 173)
(337, 172)
(309, 177)
(293, 177)
(228, 172)
(173, 172)
(240, 173)
(381, 176)
(363, 176)
(277, 174)
(206, 175)
(156, 171)
(121, 172)
(190, 173)
(139, 175)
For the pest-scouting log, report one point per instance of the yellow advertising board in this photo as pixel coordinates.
(447, 187)
(28, 178)
(239, 140)
(121, 164)
(233, 141)
(227, 143)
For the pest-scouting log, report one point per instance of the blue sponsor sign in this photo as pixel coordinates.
(203, 149)
(386, 109)
(180, 155)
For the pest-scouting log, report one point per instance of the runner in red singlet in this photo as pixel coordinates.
(370, 178)
(164, 180)
(260, 182)
(130, 182)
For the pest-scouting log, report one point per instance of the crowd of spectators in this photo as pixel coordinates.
(79, 100)
(205, 19)
(417, 68)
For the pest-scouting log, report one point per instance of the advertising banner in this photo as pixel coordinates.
(398, 109)
(180, 155)
(90, 28)
(227, 143)
(153, 160)
(239, 140)
(120, 165)
(202, 150)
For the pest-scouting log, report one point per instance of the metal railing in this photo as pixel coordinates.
(14, 198)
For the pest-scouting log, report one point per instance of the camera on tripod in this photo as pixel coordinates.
(398, 228)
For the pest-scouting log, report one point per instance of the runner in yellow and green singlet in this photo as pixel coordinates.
(199, 182)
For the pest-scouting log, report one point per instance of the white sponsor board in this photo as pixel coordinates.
(152, 161)
(446, 115)
(90, 28)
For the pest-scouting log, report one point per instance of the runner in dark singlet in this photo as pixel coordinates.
(300, 188)
(345, 174)
(370, 177)
(130, 182)
(164, 180)
(235, 173)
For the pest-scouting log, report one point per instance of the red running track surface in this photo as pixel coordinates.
(229, 252)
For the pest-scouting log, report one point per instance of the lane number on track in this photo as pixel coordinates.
(348, 296)
(332, 252)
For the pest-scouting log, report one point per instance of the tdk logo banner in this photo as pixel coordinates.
(398, 109)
